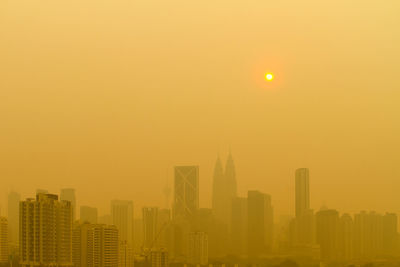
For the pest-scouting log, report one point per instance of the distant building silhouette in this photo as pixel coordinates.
(186, 193)
(368, 235)
(46, 231)
(198, 248)
(259, 223)
(13, 218)
(219, 201)
(390, 234)
(88, 214)
(69, 195)
(304, 222)
(150, 226)
(163, 220)
(346, 238)
(41, 191)
(238, 230)
(122, 218)
(105, 219)
(327, 222)
(302, 191)
(224, 190)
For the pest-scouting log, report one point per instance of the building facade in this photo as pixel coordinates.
(45, 231)
(186, 194)
(4, 251)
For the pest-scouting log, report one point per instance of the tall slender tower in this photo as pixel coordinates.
(302, 191)
(219, 192)
(230, 176)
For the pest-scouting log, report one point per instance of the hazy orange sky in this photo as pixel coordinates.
(106, 96)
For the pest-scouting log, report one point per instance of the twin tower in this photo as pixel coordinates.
(224, 189)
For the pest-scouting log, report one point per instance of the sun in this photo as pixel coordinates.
(269, 77)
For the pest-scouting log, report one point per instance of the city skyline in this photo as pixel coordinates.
(204, 202)
(49, 233)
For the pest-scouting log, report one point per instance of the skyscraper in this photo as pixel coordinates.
(122, 218)
(88, 214)
(259, 223)
(150, 223)
(13, 217)
(46, 231)
(3, 240)
(230, 176)
(302, 191)
(68, 194)
(186, 194)
(198, 248)
(219, 199)
(224, 190)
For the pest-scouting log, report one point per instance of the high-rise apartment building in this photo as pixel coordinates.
(3, 240)
(13, 218)
(68, 194)
(259, 223)
(88, 214)
(45, 231)
(198, 248)
(95, 245)
(186, 194)
(159, 257)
